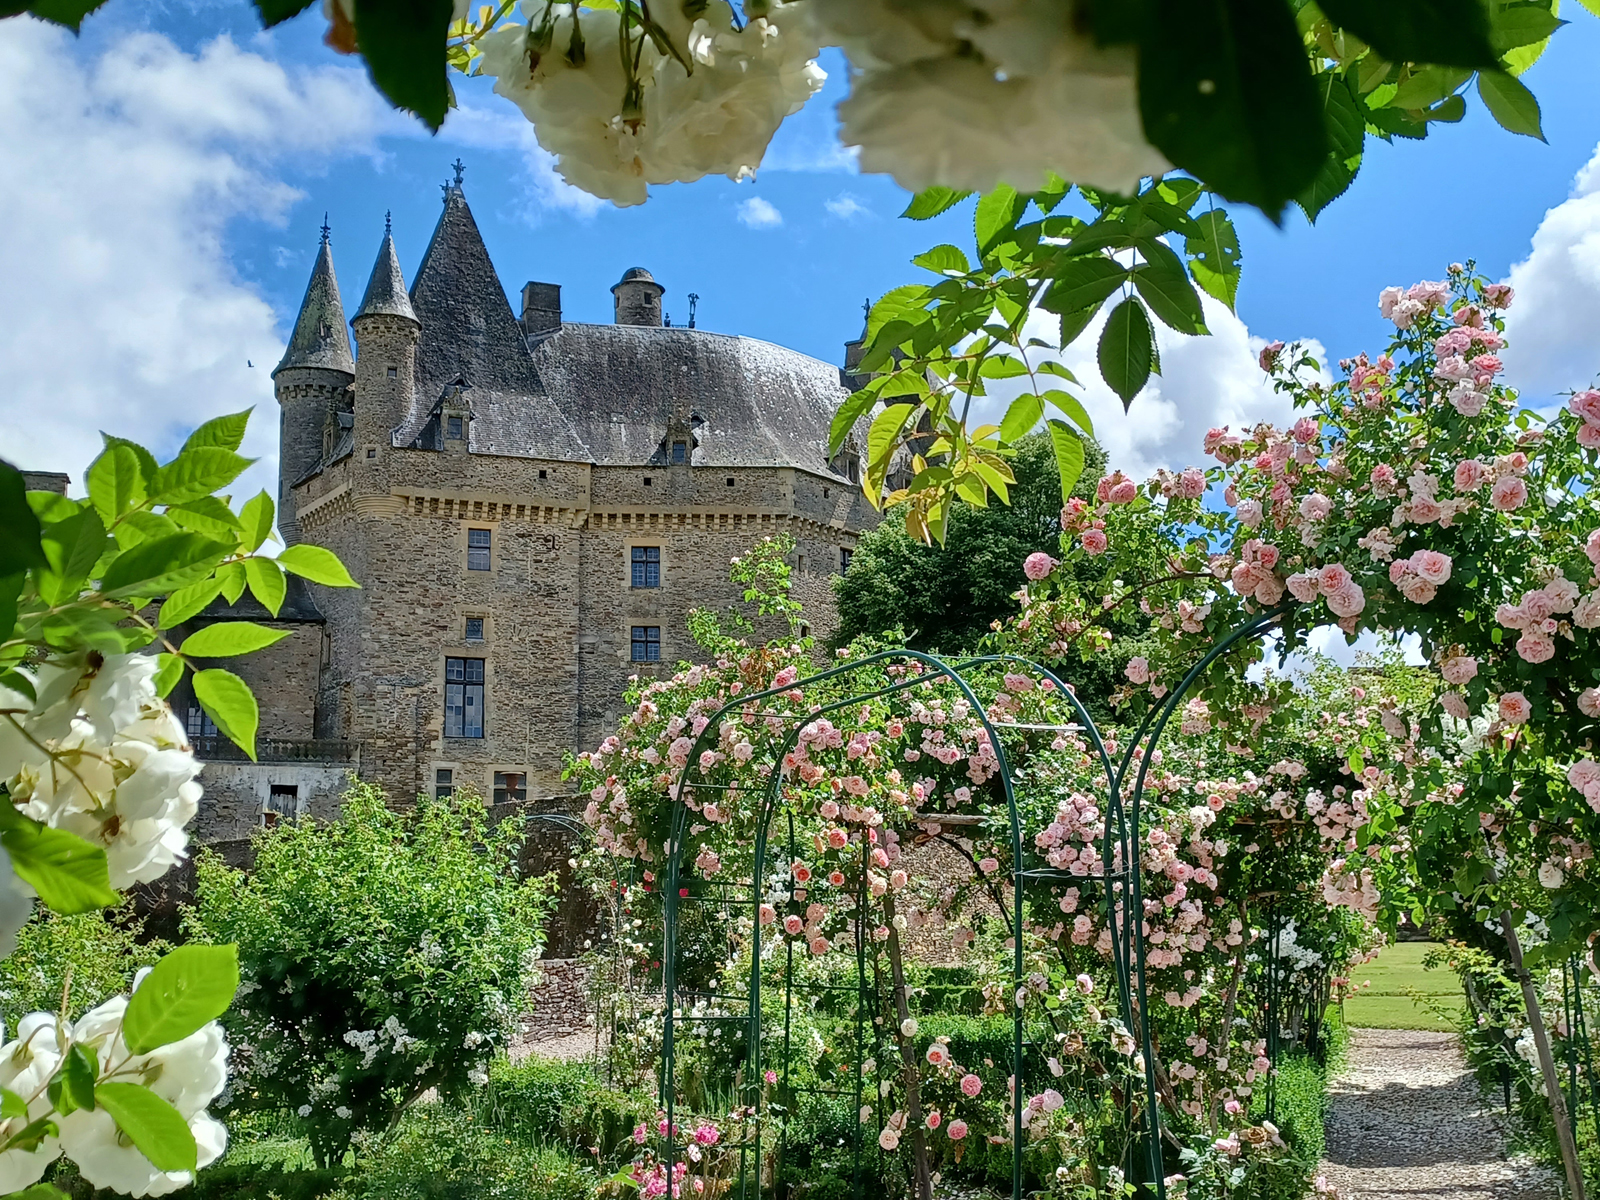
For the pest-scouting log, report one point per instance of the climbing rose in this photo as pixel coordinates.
(1469, 475)
(1463, 668)
(1431, 566)
(1138, 670)
(1249, 513)
(971, 1085)
(1508, 493)
(1550, 875)
(889, 1139)
(1038, 565)
(1455, 705)
(1093, 541)
(1347, 601)
(957, 1130)
(1514, 708)
(1589, 702)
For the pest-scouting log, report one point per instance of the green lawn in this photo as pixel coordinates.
(1395, 972)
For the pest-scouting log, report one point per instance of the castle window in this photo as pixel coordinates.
(845, 554)
(510, 786)
(371, 453)
(647, 481)
(646, 566)
(453, 424)
(444, 783)
(463, 697)
(393, 372)
(544, 474)
(647, 643)
(199, 723)
(477, 549)
(283, 803)
(730, 480)
(474, 629)
(680, 452)
(824, 493)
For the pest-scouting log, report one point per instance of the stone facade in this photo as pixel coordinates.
(490, 479)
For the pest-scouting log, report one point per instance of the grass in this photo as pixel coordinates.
(1394, 974)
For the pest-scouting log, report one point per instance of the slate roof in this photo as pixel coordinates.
(760, 404)
(386, 290)
(320, 338)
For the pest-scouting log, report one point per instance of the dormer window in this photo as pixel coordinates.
(453, 428)
(680, 452)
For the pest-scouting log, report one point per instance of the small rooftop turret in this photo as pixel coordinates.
(386, 290)
(638, 298)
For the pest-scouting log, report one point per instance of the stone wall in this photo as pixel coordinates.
(236, 794)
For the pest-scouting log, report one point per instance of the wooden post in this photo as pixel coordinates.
(1547, 1062)
(922, 1176)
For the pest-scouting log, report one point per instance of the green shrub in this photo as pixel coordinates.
(381, 956)
(101, 949)
(564, 1104)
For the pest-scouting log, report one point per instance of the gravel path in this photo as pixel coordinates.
(1408, 1124)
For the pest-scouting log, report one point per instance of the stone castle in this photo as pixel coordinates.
(532, 507)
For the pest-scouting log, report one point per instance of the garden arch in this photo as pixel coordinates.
(1125, 771)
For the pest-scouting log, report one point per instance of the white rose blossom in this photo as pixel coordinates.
(188, 1074)
(26, 1065)
(715, 120)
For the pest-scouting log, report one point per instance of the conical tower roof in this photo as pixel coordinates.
(320, 338)
(386, 290)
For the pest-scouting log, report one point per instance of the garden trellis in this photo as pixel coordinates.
(1125, 773)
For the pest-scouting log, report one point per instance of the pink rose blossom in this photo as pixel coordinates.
(1456, 705)
(1388, 300)
(1469, 475)
(1429, 294)
(1249, 513)
(1498, 295)
(1535, 647)
(1138, 671)
(1192, 483)
(819, 945)
(1462, 668)
(1514, 708)
(1304, 586)
(1268, 357)
(1124, 493)
(1346, 601)
(1589, 702)
(988, 865)
(957, 1129)
(792, 925)
(1038, 565)
(1383, 476)
(1332, 577)
(971, 1085)
(1589, 437)
(1508, 493)
(1093, 541)
(768, 914)
(934, 1119)
(1316, 507)
(1432, 566)
(1538, 604)
(1417, 590)
(1586, 404)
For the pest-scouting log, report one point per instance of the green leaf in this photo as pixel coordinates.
(229, 638)
(403, 42)
(1347, 132)
(1068, 404)
(255, 519)
(40, 1191)
(207, 515)
(1427, 86)
(72, 547)
(62, 12)
(1083, 284)
(1021, 416)
(189, 987)
(1519, 30)
(156, 1129)
(266, 581)
(167, 674)
(195, 473)
(187, 602)
(1214, 258)
(933, 201)
(19, 526)
(68, 873)
(1510, 103)
(1165, 287)
(1225, 92)
(12, 1105)
(231, 575)
(944, 259)
(115, 482)
(317, 565)
(1127, 350)
(903, 303)
(885, 432)
(30, 1139)
(229, 702)
(226, 432)
(855, 404)
(73, 1085)
(1069, 456)
(1425, 31)
(996, 215)
(162, 566)
(1002, 366)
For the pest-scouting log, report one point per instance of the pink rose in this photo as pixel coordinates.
(1486, 365)
(988, 865)
(1093, 541)
(957, 1129)
(1269, 590)
(1269, 356)
(1534, 647)
(1508, 493)
(1388, 300)
(1249, 513)
(1498, 295)
(1538, 604)
(1469, 475)
(1138, 671)
(1432, 566)
(1429, 295)
(1589, 702)
(819, 945)
(1463, 668)
(1124, 492)
(1591, 548)
(1316, 507)
(1589, 437)
(971, 1085)
(1424, 510)
(1456, 705)
(938, 1055)
(1416, 590)
(1192, 483)
(768, 914)
(1583, 774)
(1466, 399)
(1332, 577)
(1586, 404)
(1038, 565)
(1304, 586)
(792, 924)
(934, 1119)
(1346, 601)
(1514, 708)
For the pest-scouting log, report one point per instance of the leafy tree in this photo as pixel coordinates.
(946, 599)
(382, 955)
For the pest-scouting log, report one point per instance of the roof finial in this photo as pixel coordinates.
(694, 299)
(325, 229)
(388, 223)
(866, 308)
(460, 169)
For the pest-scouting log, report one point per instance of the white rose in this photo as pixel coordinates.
(26, 1065)
(1550, 875)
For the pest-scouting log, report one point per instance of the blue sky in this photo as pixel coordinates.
(161, 193)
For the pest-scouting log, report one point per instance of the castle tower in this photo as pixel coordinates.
(387, 330)
(309, 382)
(638, 298)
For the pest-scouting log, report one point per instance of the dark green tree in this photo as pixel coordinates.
(945, 598)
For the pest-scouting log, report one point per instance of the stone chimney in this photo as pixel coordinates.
(541, 308)
(638, 298)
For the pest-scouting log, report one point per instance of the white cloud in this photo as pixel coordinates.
(118, 178)
(845, 207)
(759, 214)
(1205, 382)
(1551, 324)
